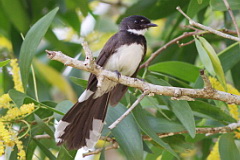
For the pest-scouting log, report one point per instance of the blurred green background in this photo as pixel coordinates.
(94, 21)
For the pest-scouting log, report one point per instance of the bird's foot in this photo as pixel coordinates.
(117, 73)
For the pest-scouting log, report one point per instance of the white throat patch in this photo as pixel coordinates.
(137, 32)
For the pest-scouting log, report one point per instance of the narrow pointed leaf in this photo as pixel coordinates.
(31, 42)
(3, 63)
(146, 128)
(126, 133)
(227, 147)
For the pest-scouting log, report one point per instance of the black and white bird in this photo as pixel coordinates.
(124, 51)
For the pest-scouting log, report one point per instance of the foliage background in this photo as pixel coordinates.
(57, 87)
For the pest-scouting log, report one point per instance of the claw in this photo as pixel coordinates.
(117, 73)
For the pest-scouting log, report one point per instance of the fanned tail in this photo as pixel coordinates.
(83, 123)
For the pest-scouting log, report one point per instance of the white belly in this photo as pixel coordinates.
(126, 59)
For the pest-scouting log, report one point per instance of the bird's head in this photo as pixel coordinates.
(136, 24)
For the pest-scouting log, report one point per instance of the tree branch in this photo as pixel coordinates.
(144, 86)
(193, 23)
(207, 131)
(114, 124)
(232, 16)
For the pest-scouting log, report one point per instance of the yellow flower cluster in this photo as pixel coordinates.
(214, 155)
(16, 75)
(4, 101)
(8, 137)
(15, 112)
(233, 109)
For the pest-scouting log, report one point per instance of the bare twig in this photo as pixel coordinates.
(157, 52)
(44, 136)
(232, 16)
(177, 39)
(207, 84)
(207, 131)
(113, 125)
(191, 22)
(114, 146)
(133, 82)
(89, 61)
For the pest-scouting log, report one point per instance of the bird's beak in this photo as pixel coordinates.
(151, 25)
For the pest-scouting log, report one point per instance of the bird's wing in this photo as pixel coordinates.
(106, 52)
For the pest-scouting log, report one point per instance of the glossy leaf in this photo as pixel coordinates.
(3, 63)
(215, 62)
(218, 5)
(126, 133)
(209, 111)
(31, 42)
(182, 70)
(146, 128)
(227, 147)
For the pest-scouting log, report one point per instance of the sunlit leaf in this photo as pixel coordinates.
(182, 70)
(3, 63)
(204, 50)
(56, 79)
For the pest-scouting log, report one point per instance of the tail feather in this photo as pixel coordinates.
(83, 123)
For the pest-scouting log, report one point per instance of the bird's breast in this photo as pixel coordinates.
(126, 59)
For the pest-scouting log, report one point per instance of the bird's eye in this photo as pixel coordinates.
(142, 20)
(136, 22)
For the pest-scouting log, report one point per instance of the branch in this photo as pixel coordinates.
(232, 16)
(193, 23)
(113, 125)
(144, 86)
(208, 131)
(177, 39)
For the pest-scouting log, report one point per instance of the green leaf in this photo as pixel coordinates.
(154, 9)
(45, 150)
(195, 6)
(184, 113)
(205, 59)
(31, 42)
(78, 81)
(3, 63)
(64, 154)
(182, 70)
(44, 126)
(83, 5)
(209, 111)
(20, 20)
(230, 54)
(147, 129)
(19, 98)
(227, 148)
(63, 107)
(126, 133)
(218, 5)
(215, 62)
